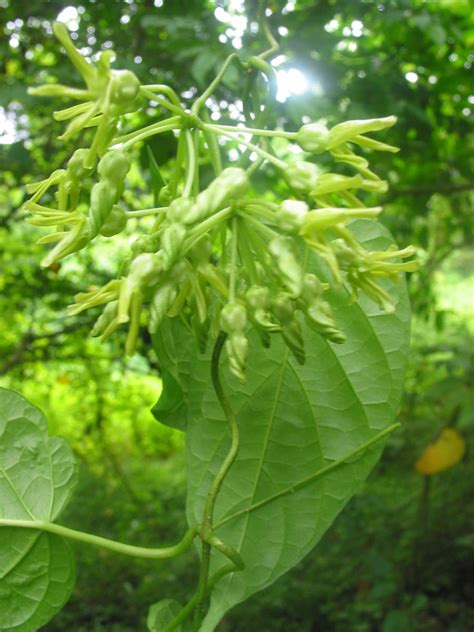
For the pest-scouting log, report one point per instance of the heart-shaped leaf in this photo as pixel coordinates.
(296, 423)
(37, 479)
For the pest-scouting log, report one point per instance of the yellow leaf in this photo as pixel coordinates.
(446, 451)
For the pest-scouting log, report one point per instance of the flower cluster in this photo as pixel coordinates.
(222, 257)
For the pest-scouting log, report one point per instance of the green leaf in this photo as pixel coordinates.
(295, 421)
(163, 613)
(202, 66)
(170, 408)
(37, 478)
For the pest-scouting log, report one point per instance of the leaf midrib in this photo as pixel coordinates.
(229, 577)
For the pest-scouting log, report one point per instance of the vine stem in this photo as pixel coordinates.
(105, 543)
(158, 130)
(177, 109)
(189, 607)
(164, 89)
(206, 525)
(260, 113)
(207, 93)
(261, 152)
(252, 130)
(173, 122)
(274, 46)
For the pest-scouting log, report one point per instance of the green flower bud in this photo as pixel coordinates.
(259, 302)
(233, 318)
(172, 241)
(102, 201)
(124, 88)
(75, 165)
(164, 196)
(319, 317)
(290, 215)
(179, 272)
(293, 339)
(230, 184)
(105, 321)
(312, 288)
(145, 270)
(258, 297)
(146, 243)
(283, 308)
(283, 249)
(301, 176)
(160, 304)
(237, 349)
(115, 223)
(179, 209)
(313, 137)
(114, 166)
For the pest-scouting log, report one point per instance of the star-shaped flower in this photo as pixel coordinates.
(108, 94)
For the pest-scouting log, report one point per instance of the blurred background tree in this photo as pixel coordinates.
(400, 557)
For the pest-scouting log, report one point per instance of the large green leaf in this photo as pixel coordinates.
(295, 421)
(37, 478)
(170, 409)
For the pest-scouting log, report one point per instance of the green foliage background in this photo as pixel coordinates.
(390, 562)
